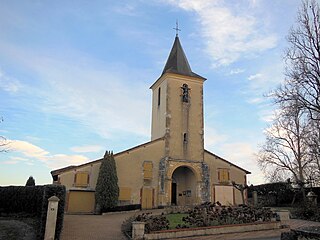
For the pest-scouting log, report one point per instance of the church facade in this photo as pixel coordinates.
(171, 169)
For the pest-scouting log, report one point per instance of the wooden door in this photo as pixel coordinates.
(147, 198)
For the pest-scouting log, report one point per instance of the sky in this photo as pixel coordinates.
(75, 76)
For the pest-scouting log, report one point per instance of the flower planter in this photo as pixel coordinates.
(212, 230)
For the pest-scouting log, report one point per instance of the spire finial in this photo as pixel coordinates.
(177, 28)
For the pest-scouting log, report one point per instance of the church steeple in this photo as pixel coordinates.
(177, 61)
(177, 108)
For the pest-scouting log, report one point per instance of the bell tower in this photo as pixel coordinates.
(177, 108)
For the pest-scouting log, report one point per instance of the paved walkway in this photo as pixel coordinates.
(92, 227)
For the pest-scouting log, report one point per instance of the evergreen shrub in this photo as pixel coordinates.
(107, 190)
(273, 194)
(123, 208)
(30, 181)
(32, 201)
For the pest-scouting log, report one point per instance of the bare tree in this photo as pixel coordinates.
(285, 152)
(241, 188)
(303, 60)
(314, 151)
(3, 141)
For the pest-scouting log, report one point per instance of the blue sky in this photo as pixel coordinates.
(75, 76)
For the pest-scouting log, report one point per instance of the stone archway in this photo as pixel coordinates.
(183, 186)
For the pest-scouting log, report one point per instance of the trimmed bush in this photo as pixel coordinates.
(30, 181)
(215, 214)
(153, 223)
(273, 194)
(123, 208)
(32, 201)
(20, 199)
(60, 192)
(306, 211)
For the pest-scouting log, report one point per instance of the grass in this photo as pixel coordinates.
(17, 229)
(175, 219)
(282, 208)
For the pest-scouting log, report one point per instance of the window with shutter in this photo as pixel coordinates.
(81, 179)
(147, 170)
(223, 175)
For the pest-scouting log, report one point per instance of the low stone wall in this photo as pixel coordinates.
(188, 232)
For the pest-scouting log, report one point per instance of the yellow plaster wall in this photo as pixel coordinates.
(130, 165)
(129, 168)
(178, 121)
(236, 174)
(67, 178)
(158, 124)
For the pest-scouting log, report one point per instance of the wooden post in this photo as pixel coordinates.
(51, 218)
(255, 198)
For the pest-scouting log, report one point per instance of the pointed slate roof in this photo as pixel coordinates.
(177, 61)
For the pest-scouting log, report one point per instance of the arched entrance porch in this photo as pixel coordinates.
(183, 186)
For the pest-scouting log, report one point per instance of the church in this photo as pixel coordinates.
(173, 168)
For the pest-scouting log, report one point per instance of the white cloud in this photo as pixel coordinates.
(243, 155)
(16, 160)
(128, 9)
(93, 92)
(28, 149)
(32, 152)
(256, 100)
(236, 71)
(213, 137)
(230, 32)
(257, 76)
(87, 149)
(9, 84)
(267, 115)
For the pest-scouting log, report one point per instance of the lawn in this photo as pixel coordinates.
(175, 219)
(17, 229)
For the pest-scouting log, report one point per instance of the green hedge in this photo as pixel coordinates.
(273, 194)
(32, 201)
(21, 199)
(122, 208)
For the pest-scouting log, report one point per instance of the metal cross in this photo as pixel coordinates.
(177, 28)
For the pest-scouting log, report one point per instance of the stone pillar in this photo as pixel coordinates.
(255, 198)
(138, 230)
(283, 216)
(51, 218)
(312, 197)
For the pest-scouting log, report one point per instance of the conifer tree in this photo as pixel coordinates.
(107, 190)
(30, 181)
